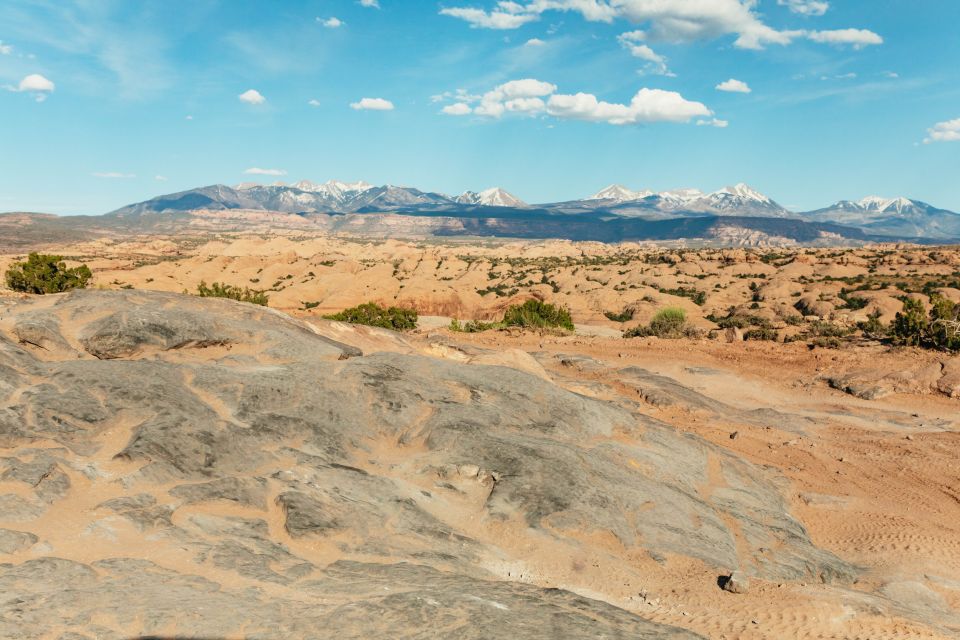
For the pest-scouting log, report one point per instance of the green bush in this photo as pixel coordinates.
(473, 326)
(42, 273)
(910, 325)
(944, 331)
(872, 327)
(670, 322)
(373, 315)
(761, 333)
(534, 314)
(624, 316)
(218, 290)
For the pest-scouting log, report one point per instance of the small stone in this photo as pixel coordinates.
(734, 435)
(736, 582)
(909, 437)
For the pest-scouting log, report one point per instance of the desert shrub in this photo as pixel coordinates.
(852, 302)
(823, 329)
(670, 322)
(698, 297)
(373, 315)
(624, 316)
(535, 314)
(872, 327)
(944, 329)
(222, 290)
(910, 325)
(42, 273)
(473, 326)
(761, 333)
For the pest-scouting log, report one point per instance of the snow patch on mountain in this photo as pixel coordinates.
(492, 197)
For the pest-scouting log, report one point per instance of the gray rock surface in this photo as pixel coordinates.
(281, 485)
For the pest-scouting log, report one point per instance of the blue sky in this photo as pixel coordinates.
(107, 102)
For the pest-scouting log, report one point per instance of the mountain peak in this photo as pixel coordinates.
(743, 191)
(620, 193)
(878, 203)
(492, 197)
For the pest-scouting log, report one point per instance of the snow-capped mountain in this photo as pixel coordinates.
(619, 193)
(740, 200)
(894, 218)
(341, 191)
(493, 197)
(902, 217)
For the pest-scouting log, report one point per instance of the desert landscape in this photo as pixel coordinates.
(273, 471)
(479, 319)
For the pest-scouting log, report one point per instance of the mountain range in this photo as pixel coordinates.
(733, 216)
(614, 207)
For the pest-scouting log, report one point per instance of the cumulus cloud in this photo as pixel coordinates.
(257, 171)
(313, 102)
(713, 122)
(372, 104)
(34, 84)
(370, 4)
(734, 86)
(331, 23)
(858, 38)
(632, 41)
(113, 175)
(252, 96)
(674, 21)
(647, 106)
(534, 42)
(535, 97)
(806, 7)
(494, 103)
(457, 109)
(5, 49)
(160, 178)
(948, 131)
(496, 19)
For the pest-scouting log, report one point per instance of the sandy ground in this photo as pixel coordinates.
(875, 481)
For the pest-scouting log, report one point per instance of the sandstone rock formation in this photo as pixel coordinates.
(182, 467)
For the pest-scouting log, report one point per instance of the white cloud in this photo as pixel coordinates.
(457, 109)
(534, 42)
(332, 22)
(734, 86)
(674, 21)
(859, 38)
(34, 84)
(891, 74)
(5, 49)
(372, 104)
(647, 106)
(252, 96)
(313, 102)
(496, 19)
(713, 122)
(493, 103)
(160, 178)
(525, 105)
(115, 175)
(530, 96)
(806, 7)
(632, 41)
(189, 118)
(257, 171)
(370, 4)
(948, 131)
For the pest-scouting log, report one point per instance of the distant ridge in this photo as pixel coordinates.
(891, 218)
